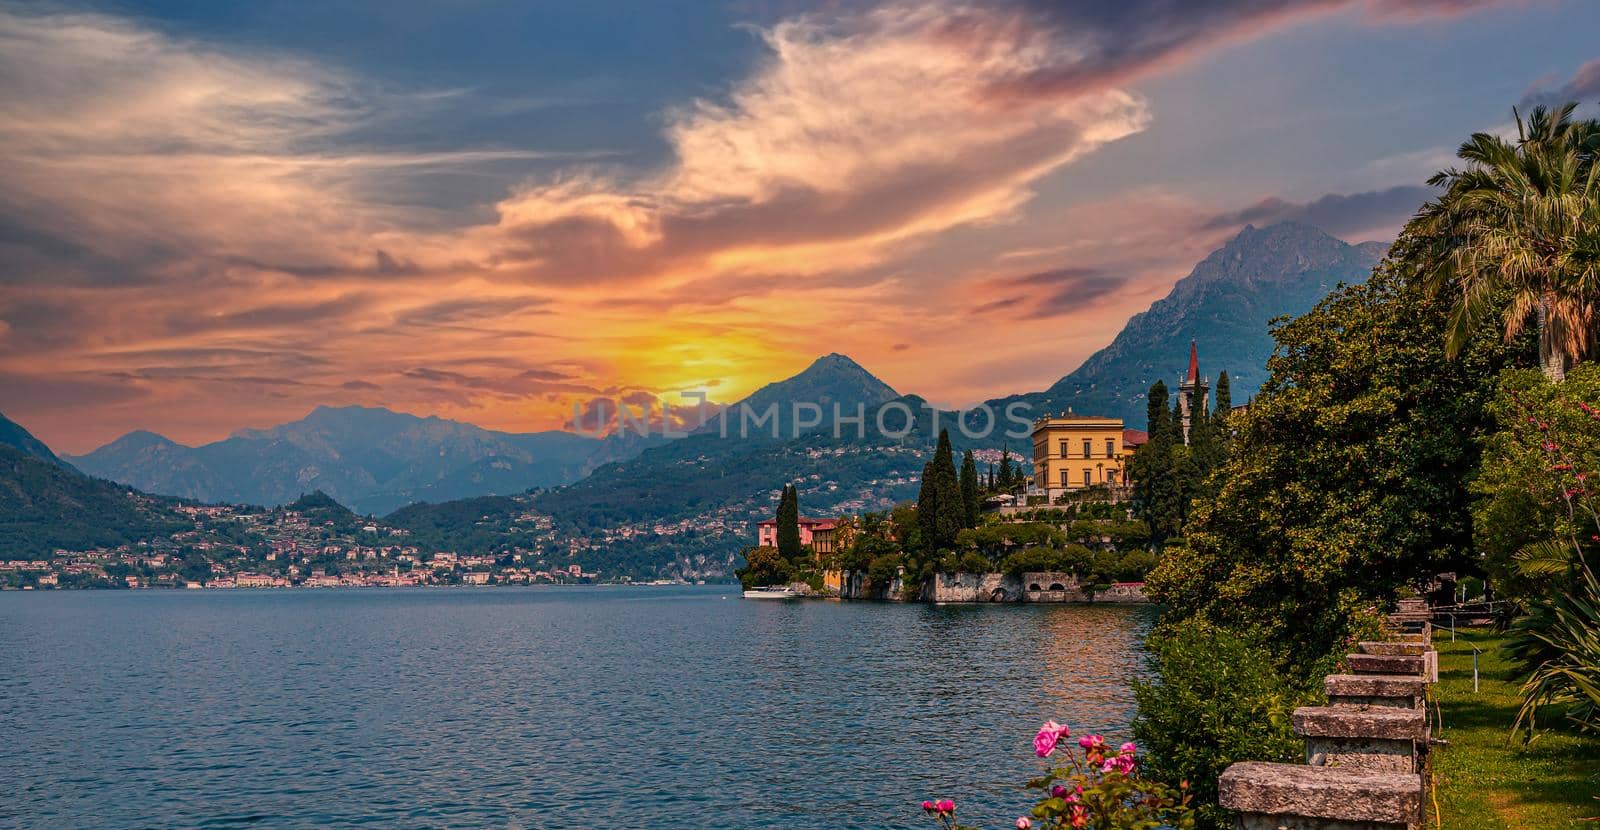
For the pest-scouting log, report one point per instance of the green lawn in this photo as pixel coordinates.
(1484, 782)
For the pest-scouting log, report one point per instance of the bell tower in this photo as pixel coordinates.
(1192, 392)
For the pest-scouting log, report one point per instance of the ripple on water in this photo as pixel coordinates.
(537, 708)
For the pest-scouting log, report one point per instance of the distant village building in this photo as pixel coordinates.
(1192, 391)
(818, 533)
(1072, 452)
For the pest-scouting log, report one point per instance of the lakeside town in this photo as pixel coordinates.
(310, 544)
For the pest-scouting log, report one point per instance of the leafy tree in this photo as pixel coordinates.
(764, 566)
(1522, 220)
(1348, 477)
(969, 491)
(973, 563)
(1534, 489)
(997, 539)
(872, 539)
(789, 524)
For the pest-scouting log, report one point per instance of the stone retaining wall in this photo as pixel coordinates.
(995, 587)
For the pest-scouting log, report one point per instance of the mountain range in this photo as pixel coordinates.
(647, 504)
(372, 459)
(1224, 306)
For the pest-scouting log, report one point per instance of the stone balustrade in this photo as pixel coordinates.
(1366, 751)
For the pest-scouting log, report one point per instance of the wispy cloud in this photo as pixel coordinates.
(178, 213)
(1354, 217)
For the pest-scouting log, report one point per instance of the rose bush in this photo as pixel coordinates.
(1095, 788)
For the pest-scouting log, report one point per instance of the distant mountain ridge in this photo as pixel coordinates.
(1224, 305)
(14, 436)
(831, 380)
(370, 458)
(633, 504)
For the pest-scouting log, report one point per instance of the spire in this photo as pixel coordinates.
(1194, 364)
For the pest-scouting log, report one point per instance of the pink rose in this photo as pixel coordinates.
(947, 806)
(1058, 791)
(927, 806)
(1044, 743)
(1023, 823)
(1129, 748)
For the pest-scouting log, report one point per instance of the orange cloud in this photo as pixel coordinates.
(194, 239)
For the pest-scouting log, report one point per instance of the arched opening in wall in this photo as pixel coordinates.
(999, 595)
(1056, 586)
(1033, 586)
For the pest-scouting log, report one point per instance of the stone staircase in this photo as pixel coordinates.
(1366, 751)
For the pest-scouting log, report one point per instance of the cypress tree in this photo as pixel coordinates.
(789, 524)
(991, 478)
(1221, 433)
(969, 490)
(1153, 468)
(1006, 482)
(927, 508)
(950, 513)
(1155, 418)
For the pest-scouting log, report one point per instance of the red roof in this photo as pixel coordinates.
(1194, 363)
(1134, 437)
(814, 524)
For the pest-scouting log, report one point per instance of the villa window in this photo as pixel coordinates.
(1064, 452)
(1065, 482)
(1087, 452)
(1088, 477)
(1111, 448)
(1111, 476)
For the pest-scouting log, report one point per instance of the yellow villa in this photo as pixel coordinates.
(1071, 452)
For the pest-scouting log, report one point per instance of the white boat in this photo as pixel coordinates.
(772, 592)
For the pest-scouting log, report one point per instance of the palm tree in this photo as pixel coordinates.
(1520, 226)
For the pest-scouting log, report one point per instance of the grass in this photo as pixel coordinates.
(1486, 782)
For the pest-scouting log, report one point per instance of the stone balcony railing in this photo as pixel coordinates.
(1366, 751)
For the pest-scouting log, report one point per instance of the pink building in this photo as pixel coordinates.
(818, 533)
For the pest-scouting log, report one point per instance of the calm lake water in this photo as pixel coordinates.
(536, 708)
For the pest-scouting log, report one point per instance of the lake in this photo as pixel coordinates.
(541, 707)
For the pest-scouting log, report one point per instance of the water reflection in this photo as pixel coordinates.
(537, 708)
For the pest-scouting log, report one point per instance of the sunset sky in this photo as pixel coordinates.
(215, 216)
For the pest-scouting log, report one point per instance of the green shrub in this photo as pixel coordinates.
(974, 563)
(883, 570)
(1218, 700)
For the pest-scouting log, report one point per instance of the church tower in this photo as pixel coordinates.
(1192, 392)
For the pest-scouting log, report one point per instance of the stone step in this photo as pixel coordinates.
(1405, 691)
(1372, 738)
(1391, 647)
(1295, 796)
(1410, 664)
(1382, 722)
